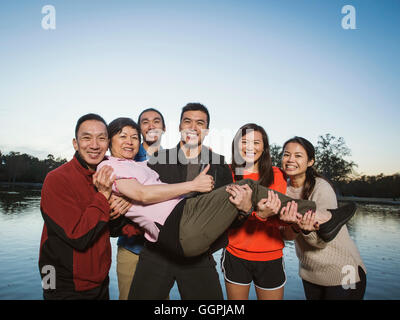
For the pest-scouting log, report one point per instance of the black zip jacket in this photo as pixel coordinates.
(172, 165)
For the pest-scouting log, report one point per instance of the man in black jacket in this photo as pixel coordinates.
(197, 277)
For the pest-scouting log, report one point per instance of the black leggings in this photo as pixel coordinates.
(317, 292)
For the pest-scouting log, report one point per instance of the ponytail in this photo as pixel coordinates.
(309, 184)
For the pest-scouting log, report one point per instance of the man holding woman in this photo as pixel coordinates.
(186, 227)
(196, 277)
(183, 227)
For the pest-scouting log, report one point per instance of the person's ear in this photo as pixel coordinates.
(310, 163)
(75, 144)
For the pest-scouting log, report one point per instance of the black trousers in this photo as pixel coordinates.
(157, 271)
(317, 292)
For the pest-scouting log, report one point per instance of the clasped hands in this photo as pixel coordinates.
(240, 196)
(306, 222)
(103, 180)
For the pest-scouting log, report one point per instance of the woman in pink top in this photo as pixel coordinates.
(183, 226)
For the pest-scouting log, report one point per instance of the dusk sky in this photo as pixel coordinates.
(287, 65)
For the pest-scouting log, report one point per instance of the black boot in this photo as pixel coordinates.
(328, 230)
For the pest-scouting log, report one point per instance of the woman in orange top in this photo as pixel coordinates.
(254, 252)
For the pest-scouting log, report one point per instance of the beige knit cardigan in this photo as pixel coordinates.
(327, 264)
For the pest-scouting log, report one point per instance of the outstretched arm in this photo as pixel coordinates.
(148, 194)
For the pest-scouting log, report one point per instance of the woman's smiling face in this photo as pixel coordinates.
(251, 146)
(295, 160)
(125, 144)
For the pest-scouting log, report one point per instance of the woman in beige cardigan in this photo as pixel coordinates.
(329, 270)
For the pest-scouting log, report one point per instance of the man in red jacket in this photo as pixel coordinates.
(75, 249)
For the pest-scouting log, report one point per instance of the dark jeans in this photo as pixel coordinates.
(99, 293)
(317, 292)
(156, 273)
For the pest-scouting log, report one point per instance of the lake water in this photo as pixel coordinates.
(375, 229)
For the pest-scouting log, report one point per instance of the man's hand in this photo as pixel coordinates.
(203, 182)
(103, 181)
(119, 206)
(268, 206)
(240, 196)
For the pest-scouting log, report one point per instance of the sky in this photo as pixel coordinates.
(287, 65)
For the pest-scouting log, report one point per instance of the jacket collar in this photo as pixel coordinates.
(81, 165)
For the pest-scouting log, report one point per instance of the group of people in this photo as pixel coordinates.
(173, 208)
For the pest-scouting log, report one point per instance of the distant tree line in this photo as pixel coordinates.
(17, 167)
(330, 162)
(379, 186)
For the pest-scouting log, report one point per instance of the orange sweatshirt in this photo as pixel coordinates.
(258, 240)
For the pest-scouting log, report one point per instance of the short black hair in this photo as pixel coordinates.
(195, 106)
(86, 117)
(155, 110)
(118, 124)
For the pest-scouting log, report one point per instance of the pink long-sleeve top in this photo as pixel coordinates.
(144, 215)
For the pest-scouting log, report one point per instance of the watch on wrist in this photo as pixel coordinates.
(246, 214)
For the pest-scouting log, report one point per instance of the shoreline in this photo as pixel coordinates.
(388, 201)
(37, 185)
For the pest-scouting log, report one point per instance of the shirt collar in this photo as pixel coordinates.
(142, 154)
(118, 159)
(203, 157)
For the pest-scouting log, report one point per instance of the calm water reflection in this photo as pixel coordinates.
(375, 229)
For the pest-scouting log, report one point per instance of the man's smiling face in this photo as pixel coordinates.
(91, 142)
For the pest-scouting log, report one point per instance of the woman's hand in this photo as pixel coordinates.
(267, 207)
(308, 223)
(289, 213)
(119, 206)
(103, 181)
(240, 196)
(203, 182)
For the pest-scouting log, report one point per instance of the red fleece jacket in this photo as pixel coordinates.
(76, 237)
